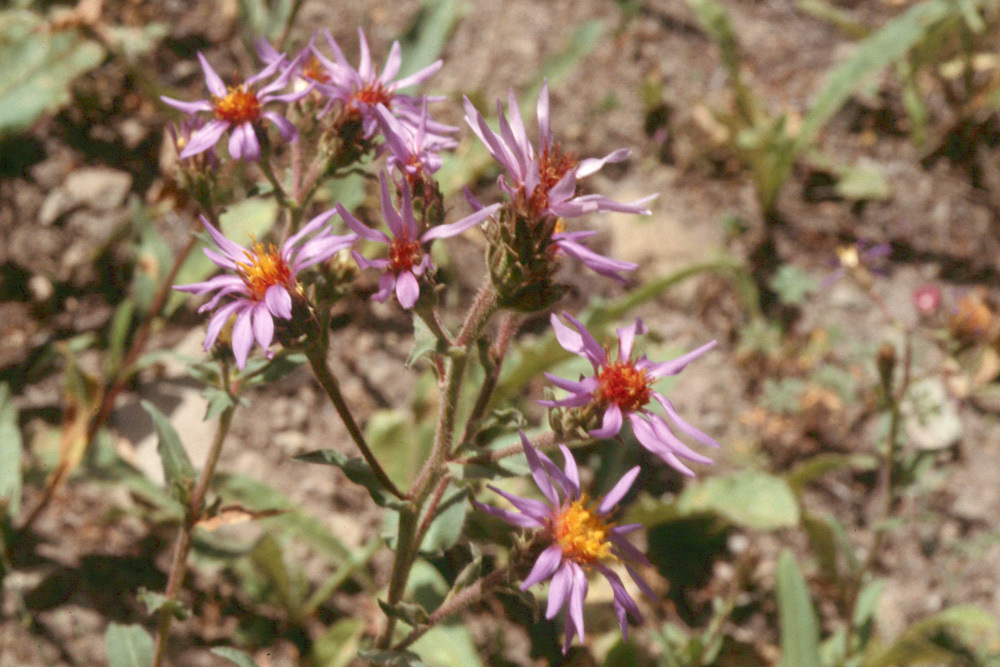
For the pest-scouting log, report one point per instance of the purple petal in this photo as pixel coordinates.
(278, 301)
(591, 349)
(618, 492)
(536, 509)
(242, 338)
(584, 386)
(675, 366)
(544, 131)
(243, 143)
(548, 562)
(647, 438)
(538, 471)
(288, 131)
(187, 107)
(611, 424)
(407, 289)
(572, 472)
(419, 76)
(562, 581)
(663, 432)
(446, 231)
(591, 165)
(263, 326)
(233, 250)
(594, 261)
(513, 518)
(392, 63)
(219, 320)
(212, 80)
(626, 337)
(577, 593)
(643, 586)
(685, 427)
(360, 228)
(204, 138)
(392, 217)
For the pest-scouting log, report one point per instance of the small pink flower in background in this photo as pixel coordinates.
(544, 183)
(624, 387)
(411, 150)
(582, 539)
(363, 89)
(407, 260)
(263, 282)
(927, 299)
(239, 109)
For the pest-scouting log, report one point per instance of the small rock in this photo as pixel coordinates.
(97, 188)
(40, 287)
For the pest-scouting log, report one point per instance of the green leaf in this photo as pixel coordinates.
(447, 526)
(356, 470)
(177, 468)
(37, 66)
(808, 471)
(391, 658)
(338, 646)
(793, 285)
(156, 601)
(128, 646)
(946, 637)
(11, 451)
(799, 627)
(753, 499)
(873, 53)
(428, 34)
(424, 341)
(862, 182)
(234, 656)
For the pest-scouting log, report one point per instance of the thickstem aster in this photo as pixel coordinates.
(623, 387)
(263, 282)
(581, 539)
(239, 109)
(407, 260)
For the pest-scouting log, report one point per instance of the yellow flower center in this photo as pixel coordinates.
(624, 385)
(240, 105)
(581, 533)
(264, 268)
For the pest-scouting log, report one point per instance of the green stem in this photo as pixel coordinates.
(317, 359)
(196, 507)
(405, 552)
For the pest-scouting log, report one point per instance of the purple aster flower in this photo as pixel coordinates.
(543, 183)
(582, 539)
(361, 90)
(412, 150)
(239, 109)
(407, 260)
(181, 135)
(861, 259)
(264, 282)
(624, 387)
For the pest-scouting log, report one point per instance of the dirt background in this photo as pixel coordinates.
(69, 183)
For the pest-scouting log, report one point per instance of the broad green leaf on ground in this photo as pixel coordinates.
(751, 499)
(37, 66)
(177, 467)
(10, 455)
(875, 52)
(338, 646)
(128, 646)
(234, 656)
(799, 627)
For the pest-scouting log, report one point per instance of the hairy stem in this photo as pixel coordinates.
(317, 359)
(195, 509)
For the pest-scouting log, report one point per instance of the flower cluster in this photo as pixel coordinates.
(362, 115)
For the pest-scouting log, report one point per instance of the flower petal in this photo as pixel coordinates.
(407, 289)
(619, 490)
(562, 581)
(204, 138)
(263, 326)
(538, 471)
(212, 80)
(513, 518)
(545, 566)
(675, 366)
(446, 231)
(611, 424)
(278, 301)
(242, 338)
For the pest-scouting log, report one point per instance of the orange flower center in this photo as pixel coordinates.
(581, 533)
(263, 269)
(624, 385)
(240, 105)
(314, 70)
(553, 164)
(404, 254)
(373, 93)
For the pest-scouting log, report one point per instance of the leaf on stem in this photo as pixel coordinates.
(356, 470)
(177, 467)
(799, 627)
(128, 646)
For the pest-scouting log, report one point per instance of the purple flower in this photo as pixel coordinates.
(263, 283)
(239, 109)
(582, 539)
(412, 150)
(861, 260)
(407, 260)
(181, 135)
(624, 387)
(361, 90)
(544, 183)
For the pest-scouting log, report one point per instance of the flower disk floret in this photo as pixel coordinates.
(407, 260)
(622, 388)
(262, 282)
(581, 538)
(239, 109)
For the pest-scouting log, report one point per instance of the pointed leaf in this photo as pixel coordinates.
(128, 646)
(356, 470)
(177, 468)
(799, 627)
